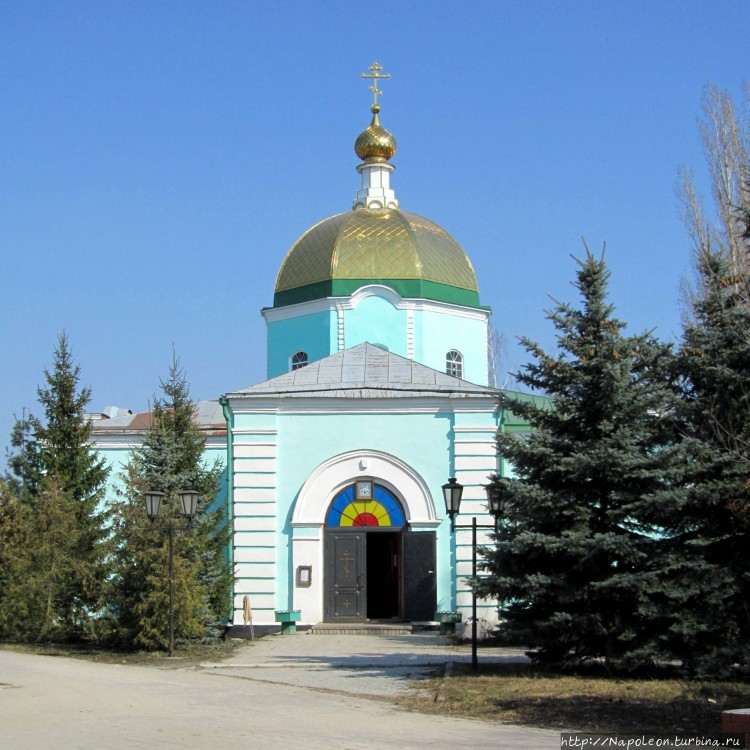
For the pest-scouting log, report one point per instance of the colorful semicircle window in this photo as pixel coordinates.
(382, 510)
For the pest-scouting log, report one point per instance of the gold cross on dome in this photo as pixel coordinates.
(376, 67)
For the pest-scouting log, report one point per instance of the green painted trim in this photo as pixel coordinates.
(410, 288)
(229, 417)
(512, 421)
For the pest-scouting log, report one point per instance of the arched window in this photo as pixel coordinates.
(299, 359)
(454, 363)
(365, 503)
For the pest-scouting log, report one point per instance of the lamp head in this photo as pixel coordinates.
(452, 492)
(189, 503)
(153, 500)
(498, 498)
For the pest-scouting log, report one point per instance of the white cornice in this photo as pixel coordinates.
(428, 404)
(131, 440)
(332, 304)
(254, 430)
(118, 441)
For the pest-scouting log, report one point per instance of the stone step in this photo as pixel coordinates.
(366, 628)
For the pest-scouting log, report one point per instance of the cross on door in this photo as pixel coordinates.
(346, 558)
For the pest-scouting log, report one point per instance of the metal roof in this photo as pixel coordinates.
(208, 415)
(376, 244)
(365, 371)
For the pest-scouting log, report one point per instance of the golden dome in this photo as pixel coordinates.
(403, 251)
(375, 143)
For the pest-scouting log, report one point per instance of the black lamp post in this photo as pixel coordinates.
(452, 493)
(189, 503)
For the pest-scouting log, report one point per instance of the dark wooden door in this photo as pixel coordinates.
(345, 576)
(420, 585)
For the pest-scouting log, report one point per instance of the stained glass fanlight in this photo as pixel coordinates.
(382, 509)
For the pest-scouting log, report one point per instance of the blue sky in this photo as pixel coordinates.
(158, 159)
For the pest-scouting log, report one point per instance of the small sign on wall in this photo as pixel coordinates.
(304, 576)
(364, 489)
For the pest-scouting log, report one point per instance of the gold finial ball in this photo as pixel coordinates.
(375, 143)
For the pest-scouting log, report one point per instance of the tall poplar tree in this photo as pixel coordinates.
(171, 459)
(577, 561)
(725, 130)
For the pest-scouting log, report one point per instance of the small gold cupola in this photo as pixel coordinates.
(375, 146)
(375, 143)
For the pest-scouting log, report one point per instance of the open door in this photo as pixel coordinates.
(420, 584)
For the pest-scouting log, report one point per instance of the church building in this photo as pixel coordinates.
(377, 393)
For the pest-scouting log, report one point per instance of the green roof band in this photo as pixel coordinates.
(411, 288)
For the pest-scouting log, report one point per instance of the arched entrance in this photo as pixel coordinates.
(400, 550)
(367, 545)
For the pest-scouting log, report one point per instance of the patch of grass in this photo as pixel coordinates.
(186, 655)
(525, 694)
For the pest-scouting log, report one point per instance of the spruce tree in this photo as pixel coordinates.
(171, 459)
(63, 436)
(577, 561)
(20, 602)
(54, 472)
(715, 522)
(25, 473)
(77, 473)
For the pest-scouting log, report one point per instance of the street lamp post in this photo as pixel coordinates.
(452, 493)
(189, 504)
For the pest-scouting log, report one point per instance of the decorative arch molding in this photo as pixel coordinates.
(374, 290)
(330, 477)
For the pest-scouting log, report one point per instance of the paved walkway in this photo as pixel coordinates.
(364, 665)
(297, 691)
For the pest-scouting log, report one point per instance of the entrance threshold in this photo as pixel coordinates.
(362, 628)
(373, 628)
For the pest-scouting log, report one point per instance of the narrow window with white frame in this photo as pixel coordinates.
(454, 363)
(299, 359)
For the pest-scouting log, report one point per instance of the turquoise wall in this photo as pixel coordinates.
(377, 321)
(437, 333)
(116, 459)
(315, 333)
(422, 440)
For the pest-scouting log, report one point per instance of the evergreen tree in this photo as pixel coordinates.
(39, 563)
(63, 437)
(170, 460)
(77, 473)
(20, 604)
(715, 522)
(24, 475)
(61, 481)
(578, 560)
